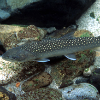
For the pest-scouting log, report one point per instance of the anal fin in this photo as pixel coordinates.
(70, 56)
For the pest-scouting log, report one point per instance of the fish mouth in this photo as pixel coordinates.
(10, 58)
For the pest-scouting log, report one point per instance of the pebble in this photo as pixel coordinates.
(80, 91)
(41, 94)
(4, 15)
(80, 79)
(6, 95)
(41, 80)
(31, 33)
(95, 79)
(13, 72)
(87, 72)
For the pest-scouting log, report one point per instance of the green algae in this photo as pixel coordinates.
(91, 51)
(82, 58)
(98, 19)
(1, 68)
(86, 70)
(86, 34)
(92, 15)
(19, 25)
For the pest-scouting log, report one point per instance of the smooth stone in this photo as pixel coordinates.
(80, 91)
(4, 14)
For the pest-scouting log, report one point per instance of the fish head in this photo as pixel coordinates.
(17, 54)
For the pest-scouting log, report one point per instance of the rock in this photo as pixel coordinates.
(65, 70)
(43, 79)
(3, 4)
(13, 72)
(6, 71)
(95, 78)
(66, 83)
(6, 95)
(49, 13)
(80, 79)
(64, 32)
(2, 49)
(80, 91)
(50, 30)
(83, 33)
(31, 33)
(4, 15)
(19, 3)
(8, 35)
(87, 72)
(7, 7)
(12, 36)
(41, 94)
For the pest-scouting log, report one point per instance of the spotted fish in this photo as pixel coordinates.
(41, 50)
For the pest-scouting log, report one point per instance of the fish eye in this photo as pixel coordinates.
(14, 57)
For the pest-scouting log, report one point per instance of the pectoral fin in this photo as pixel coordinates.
(70, 56)
(42, 60)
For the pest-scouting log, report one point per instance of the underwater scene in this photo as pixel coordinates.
(49, 49)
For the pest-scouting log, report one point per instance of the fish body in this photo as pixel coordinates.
(41, 50)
